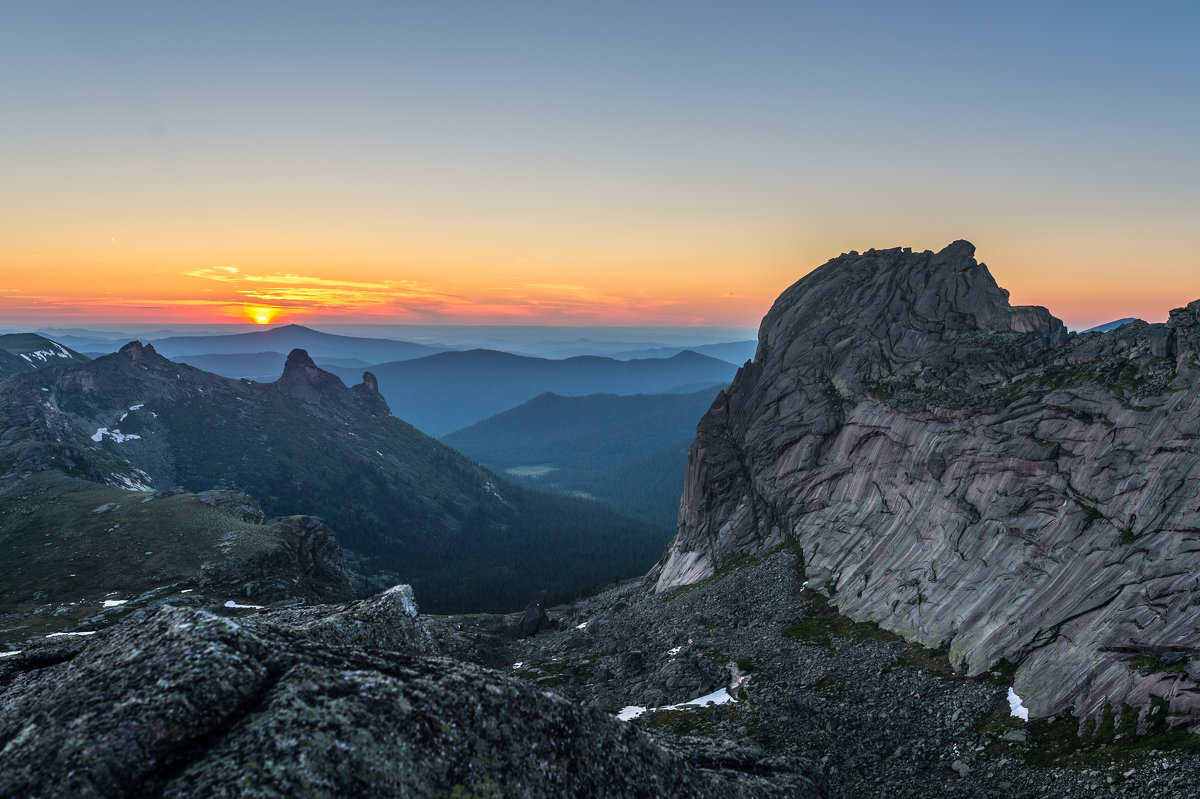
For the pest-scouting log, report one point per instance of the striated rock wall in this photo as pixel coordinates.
(969, 475)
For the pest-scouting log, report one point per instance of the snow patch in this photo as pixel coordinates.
(720, 697)
(673, 651)
(114, 435)
(535, 472)
(137, 407)
(1016, 707)
(85, 632)
(45, 355)
(581, 626)
(229, 603)
(187, 590)
(10, 654)
(518, 665)
(114, 603)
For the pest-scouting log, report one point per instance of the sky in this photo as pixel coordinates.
(615, 163)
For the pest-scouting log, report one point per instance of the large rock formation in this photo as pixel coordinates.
(967, 474)
(328, 702)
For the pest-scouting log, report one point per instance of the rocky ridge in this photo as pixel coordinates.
(26, 352)
(967, 474)
(406, 507)
(88, 540)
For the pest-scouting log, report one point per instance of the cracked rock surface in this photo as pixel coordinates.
(969, 475)
(334, 701)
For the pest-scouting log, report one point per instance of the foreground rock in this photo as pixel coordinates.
(333, 702)
(967, 474)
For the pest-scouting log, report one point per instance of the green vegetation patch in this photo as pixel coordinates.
(1061, 740)
(78, 543)
(699, 721)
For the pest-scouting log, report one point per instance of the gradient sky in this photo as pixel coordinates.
(562, 162)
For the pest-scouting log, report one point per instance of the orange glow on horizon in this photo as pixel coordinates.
(727, 287)
(262, 315)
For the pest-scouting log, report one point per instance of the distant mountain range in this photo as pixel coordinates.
(409, 508)
(290, 337)
(628, 452)
(1107, 326)
(450, 390)
(735, 352)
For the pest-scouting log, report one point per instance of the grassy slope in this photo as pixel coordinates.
(69, 543)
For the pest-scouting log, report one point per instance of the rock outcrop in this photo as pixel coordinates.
(302, 378)
(969, 475)
(335, 701)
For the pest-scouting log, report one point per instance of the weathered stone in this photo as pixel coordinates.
(1048, 516)
(532, 620)
(302, 378)
(331, 702)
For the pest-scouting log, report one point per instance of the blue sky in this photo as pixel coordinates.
(654, 157)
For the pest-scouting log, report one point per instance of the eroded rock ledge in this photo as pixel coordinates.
(969, 475)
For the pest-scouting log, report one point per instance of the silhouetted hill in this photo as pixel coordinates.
(1107, 326)
(25, 352)
(451, 390)
(735, 352)
(628, 452)
(290, 337)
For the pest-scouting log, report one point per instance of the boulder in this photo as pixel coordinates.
(533, 620)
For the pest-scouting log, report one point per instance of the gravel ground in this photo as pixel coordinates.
(883, 718)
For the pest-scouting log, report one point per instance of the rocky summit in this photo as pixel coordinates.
(968, 474)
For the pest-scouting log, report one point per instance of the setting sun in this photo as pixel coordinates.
(262, 316)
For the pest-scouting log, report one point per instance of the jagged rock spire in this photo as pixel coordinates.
(302, 378)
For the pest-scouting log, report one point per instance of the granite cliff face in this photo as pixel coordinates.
(967, 474)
